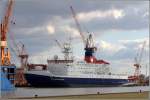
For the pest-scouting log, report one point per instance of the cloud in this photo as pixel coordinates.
(70, 30)
(122, 66)
(108, 49)
(50, 29)
(62, 26)
(88, 16)
(49, 53)
(135, 40)
(112, 47)
(136, 43)
(146, 14)
(34, 30)
(1, 11)
(129, 18)
(96, 16)
(124, 49)
(134, 47)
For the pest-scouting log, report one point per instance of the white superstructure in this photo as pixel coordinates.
(81, 70)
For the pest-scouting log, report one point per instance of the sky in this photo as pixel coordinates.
(119, 28)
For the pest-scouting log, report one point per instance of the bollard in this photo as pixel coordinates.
(140, 91)
(35, 95)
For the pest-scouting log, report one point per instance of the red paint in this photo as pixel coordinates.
(91, 59)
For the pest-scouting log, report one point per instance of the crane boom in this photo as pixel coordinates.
(5, 53)
(138, 59)
(78, 25)
(58, 43)
(5, 22)
(141, 53)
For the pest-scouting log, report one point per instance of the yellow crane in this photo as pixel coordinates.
(5, 57)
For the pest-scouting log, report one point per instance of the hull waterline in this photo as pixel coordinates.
(49, 81)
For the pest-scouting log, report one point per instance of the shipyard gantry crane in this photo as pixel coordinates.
(136, 77)
(22, 54)
(23, 57)
(138, 60)
(5, 58)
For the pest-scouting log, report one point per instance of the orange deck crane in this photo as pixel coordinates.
(5, 58)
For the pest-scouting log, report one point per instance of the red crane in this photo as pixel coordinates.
(137, 64)
(5, 53)
(20, 52)
(138, 60)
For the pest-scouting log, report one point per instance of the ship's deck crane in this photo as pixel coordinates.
(66, 49)
(90, 48)
(58, 43)
(78, 25)
(4, 27)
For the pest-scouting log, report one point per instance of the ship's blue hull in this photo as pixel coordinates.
(46, 81)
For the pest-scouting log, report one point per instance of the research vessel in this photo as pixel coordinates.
(68, 72)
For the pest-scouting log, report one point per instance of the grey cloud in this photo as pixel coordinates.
(131, 21)
(129, 51)
(39, 11)
(33, 13)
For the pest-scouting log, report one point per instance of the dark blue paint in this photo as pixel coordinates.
(89, 52)
(45, 81)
